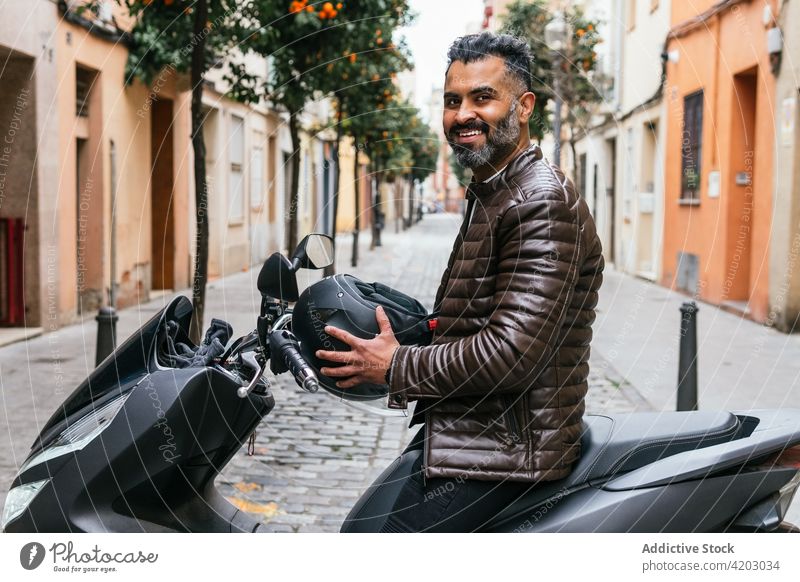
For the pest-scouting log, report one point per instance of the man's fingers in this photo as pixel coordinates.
(383, 321)
(343, 357)
(349, 383)
(341, 371)
(342, 335)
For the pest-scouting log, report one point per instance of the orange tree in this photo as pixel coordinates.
(399, 144)
(362, 114)
(185, 37)
(313, 49)
(307, 44)
(363, 80)
(581, 84)
(362, 107)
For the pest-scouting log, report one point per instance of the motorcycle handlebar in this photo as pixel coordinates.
(284, 345)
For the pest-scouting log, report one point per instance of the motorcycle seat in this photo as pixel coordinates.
(619, 443)
(630, 441)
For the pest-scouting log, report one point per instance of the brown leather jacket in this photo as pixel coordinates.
(501, 388)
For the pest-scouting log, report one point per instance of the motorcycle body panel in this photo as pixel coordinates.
(642, 472)
(153, 467)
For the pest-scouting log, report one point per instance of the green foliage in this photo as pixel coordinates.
(463, 175)
(163, 36)
(578, 76)
(317, 49)
(396, 139)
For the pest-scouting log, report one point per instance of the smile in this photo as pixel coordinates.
(468, 135)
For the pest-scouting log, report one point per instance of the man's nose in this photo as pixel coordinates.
(465, 114)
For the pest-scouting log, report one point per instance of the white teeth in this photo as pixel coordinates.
(469, 133)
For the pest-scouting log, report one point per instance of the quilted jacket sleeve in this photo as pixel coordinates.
(539, 243)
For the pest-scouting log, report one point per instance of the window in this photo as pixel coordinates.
(84, 81)
(257, 173)
(691, 147)
(236, 178)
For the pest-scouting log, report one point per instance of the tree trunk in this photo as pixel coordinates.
(357, 229)
(376, 207)
(410, 201)
(201, 187)
(291, 214)
(574, 154)
(331, 269)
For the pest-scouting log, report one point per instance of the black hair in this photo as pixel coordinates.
(514, 50)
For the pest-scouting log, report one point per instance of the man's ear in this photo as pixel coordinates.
(527, 100)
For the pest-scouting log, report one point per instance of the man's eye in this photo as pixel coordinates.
(451, 102)
(481, 98)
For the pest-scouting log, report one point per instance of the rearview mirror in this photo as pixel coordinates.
(277, 279)
(315, 251)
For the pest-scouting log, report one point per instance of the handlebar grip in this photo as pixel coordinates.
(286, 346)
(299, 368)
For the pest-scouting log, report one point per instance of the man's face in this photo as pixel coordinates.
(481, 121)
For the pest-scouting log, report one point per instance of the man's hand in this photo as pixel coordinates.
(367, 360)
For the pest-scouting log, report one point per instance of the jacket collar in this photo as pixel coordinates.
(514, 167)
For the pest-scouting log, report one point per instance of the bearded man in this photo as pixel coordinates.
(500, 391)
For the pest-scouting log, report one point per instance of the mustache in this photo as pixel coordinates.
(479, 125)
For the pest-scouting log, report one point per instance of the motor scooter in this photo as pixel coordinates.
(138, 445)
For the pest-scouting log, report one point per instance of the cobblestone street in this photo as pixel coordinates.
(313, 455)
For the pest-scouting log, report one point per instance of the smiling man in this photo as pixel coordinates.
(501, 388)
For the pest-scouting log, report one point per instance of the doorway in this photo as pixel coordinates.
(742, 180)
(162, 183)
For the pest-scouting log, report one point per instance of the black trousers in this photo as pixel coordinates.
(447, 505)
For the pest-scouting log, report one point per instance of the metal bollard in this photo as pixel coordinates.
(687, 359)
(106, 333)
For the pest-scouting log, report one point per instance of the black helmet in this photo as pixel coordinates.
(349, 303)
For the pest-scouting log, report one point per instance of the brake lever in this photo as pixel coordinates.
(250, 360)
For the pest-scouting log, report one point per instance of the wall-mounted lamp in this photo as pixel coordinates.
(672, 56)
(775, 48)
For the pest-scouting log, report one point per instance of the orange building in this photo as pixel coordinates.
(719, 153)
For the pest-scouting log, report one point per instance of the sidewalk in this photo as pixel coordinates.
(314, 455)
(741, 364)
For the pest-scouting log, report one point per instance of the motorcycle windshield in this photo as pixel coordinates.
(125, 365)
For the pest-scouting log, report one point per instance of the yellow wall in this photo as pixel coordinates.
(120, 114)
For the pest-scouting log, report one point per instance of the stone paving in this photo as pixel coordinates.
(314, 455)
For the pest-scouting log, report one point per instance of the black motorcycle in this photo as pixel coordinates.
(138, 445)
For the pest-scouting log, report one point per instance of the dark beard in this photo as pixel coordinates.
(499, 143)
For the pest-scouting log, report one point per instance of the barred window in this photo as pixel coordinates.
(691, 146)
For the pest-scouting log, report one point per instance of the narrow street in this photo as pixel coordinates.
(314, 455)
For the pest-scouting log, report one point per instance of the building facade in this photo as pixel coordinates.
(784, 258)
(29, 165)
(97, 194)
(641, 130)
(720, 94)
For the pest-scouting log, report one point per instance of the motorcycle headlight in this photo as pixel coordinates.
(18, 499)
(76, 436)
